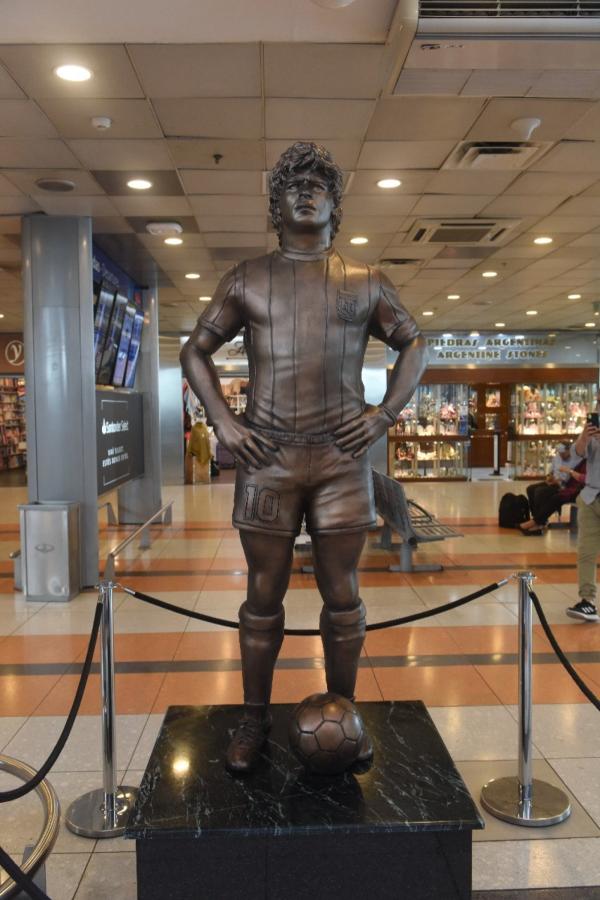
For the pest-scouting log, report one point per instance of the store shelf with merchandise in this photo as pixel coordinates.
(13, 446)
(543, 416)
(431, 437)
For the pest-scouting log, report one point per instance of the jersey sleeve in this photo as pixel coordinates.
(224, 313)
(389, 318)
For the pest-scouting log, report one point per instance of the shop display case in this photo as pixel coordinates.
(544, 415)
(430, 439)
(12, 423)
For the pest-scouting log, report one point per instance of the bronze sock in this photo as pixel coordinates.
(260, 641)
(343, 634)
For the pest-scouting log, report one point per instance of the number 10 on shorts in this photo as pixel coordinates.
(261, 504)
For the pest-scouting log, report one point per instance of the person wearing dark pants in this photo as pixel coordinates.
(554, 502)
(539, 492)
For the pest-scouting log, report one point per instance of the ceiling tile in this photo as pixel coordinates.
(539, 205)
(588, 127)
(13, 206)
(499, 83)
(457, 182)
(375, 205)
(194, 154)
(570, 156)
(198, 70)
(580, 206)
(423, 118)
(321, 119)
(73, 117)
(15, 153)
(199, 117)
(323, 70)
(8, 86)
(233, 223)
(156, 244)
(164, 182)
(23, 118)
(233, 239)
(202, 181)
(61, 205)
(563, 184)
(366, 182)
(122, 154)
(9, 188)
(367, 225)
(593, 191)
(25, 180)
(450, 205)
(566, 83)
(404, 154)
(33, 65)
(152, 206)
(494, 123)
(224, 205)
(345, 153)
(110, 225)
(431, 81)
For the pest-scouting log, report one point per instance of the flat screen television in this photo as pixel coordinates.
(134, 349)
(109, 356)
(104, 307)
(123, 349)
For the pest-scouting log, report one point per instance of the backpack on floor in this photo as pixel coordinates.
(514, 509)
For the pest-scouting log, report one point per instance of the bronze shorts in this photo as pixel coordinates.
(309, 477)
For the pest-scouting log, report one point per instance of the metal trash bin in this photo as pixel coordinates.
(50, 550)
(16, 560)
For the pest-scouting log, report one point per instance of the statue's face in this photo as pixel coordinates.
(306, 203)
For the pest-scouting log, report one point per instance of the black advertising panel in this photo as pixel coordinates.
(104, 306)
(119, 438)
(123, 350)
(134, 349)
(109, 357)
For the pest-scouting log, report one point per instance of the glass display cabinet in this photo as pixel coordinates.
(431, 437)
(542, 416)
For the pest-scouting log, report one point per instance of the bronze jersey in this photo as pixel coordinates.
(307, 322)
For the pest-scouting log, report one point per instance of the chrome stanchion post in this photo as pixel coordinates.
(523, 799)
(104, 812)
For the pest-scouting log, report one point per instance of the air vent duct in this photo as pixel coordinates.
(495, 155)
(388, 262)
(436, 9)
(461, 231)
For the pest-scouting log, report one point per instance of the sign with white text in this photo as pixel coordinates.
(120, 439)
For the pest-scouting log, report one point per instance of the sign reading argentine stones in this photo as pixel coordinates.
(502, 348)
(119, 438)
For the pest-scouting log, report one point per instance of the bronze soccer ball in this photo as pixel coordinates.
(326, 732)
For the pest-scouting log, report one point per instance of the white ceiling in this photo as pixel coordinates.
(243, 81)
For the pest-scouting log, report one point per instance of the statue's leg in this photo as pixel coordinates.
(269, 559)
(343, 618)
(336, 558)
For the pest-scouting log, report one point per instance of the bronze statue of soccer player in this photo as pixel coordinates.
(301, 447)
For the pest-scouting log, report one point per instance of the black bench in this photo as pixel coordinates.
(410, 521)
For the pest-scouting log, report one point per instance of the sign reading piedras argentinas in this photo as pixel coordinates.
(120, 446)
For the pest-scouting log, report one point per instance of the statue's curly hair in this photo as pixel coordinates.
(304, 155)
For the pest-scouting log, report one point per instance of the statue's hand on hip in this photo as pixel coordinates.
(252, 450)
(357, 435)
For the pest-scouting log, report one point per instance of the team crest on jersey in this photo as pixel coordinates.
(347, 305)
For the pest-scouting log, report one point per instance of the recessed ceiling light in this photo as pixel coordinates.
(447, 334)
(389, 183)
(1, 315)
(359, 240)
(489, 274)
(590, 325)
(574, 297)
(519, 337)
(205, 299)
(543, 240)
(567, 346)
(174, 241)
(531, 312)
(139, 184)
(427, 312)
(474, 334)
(73, 73)
(453, 296)
(192, 275)
(500, 324)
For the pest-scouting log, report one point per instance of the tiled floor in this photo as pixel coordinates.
(462, 664)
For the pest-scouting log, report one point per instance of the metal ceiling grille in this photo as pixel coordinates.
(509, 8)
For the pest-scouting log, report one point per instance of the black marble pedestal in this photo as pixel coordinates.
(400, 830)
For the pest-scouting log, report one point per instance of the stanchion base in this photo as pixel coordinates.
(548, 805)
(87, 816)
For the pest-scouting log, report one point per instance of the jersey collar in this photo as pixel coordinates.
(305, 257)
